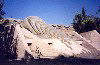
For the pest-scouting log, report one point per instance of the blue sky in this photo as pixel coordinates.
(51, 11)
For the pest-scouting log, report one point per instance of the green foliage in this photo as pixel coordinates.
(83, 23)
(1, 11)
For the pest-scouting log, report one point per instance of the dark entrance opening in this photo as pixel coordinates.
(29, 44)
(49, 43)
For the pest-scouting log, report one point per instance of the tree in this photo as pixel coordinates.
(1, 11)
(84, 23)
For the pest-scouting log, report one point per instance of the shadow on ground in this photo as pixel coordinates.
(60, 61)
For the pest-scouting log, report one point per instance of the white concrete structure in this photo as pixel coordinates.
(42, 40)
